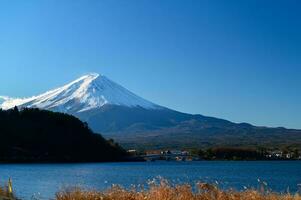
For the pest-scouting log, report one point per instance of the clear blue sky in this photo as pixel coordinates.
(238, 60)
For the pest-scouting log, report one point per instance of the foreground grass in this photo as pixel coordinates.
(164, 191)
(5, 194)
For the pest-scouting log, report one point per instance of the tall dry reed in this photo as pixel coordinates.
(5, 193)
(165, 191)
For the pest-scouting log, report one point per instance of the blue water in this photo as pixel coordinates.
(44, 180)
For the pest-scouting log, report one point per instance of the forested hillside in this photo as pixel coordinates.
(33, 135)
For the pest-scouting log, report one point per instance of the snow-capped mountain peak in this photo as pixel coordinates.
(88, 92)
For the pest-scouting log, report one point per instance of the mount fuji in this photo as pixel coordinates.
(87, 93)
(117, 113)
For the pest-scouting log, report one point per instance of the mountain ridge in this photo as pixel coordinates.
(117, 113)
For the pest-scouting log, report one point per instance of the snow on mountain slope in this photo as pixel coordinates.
(89, 92)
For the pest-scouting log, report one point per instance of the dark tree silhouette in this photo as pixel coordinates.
(33, 135)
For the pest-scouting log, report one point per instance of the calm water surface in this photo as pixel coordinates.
(44, 180)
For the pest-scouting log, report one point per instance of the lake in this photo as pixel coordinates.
(44, 180)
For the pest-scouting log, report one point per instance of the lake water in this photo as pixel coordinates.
(44, 180)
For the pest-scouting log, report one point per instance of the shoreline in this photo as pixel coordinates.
(145, 161)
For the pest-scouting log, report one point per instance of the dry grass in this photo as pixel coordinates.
(164, 191)
(4, 193)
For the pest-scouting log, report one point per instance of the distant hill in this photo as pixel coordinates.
(165, 128)
(34, 135)
(115, 112)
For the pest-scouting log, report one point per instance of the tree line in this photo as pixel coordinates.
(33, 135)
